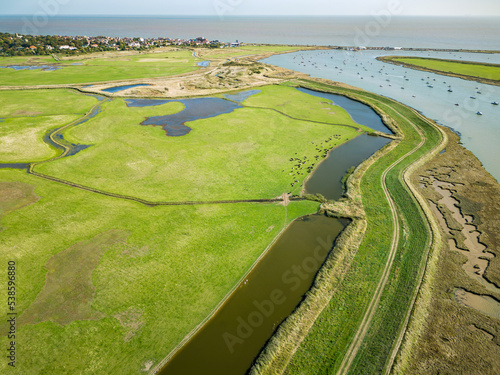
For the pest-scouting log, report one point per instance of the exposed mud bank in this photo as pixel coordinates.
(458, 331)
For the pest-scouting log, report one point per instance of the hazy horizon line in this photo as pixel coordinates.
(255, 15)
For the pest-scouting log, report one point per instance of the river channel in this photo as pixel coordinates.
(230, 341)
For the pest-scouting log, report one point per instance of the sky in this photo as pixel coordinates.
(251, 7)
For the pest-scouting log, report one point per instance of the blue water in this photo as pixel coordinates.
(327, 178)
(479, 134)
(359, 112)
(74, 148)
(203, 64)
(121, 88)
(241, 96)
(32, 67)
(147, 102)
(15, 165)
(435, 32)
(194, 109)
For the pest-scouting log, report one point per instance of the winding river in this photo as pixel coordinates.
(72, 148)
(233, 337)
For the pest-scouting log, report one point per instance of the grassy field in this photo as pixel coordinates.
(106, 285)
(25, 103)
(453, 67)
(28, 115)
(144, 276)
(120, 67)
(325, 346)
(227, 53)
(295, 104)
(21, 138)
(240, 155)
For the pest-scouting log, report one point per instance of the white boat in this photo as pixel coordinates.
(494, 103)
(479, 113)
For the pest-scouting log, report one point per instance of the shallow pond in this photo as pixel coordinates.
(125, 87)
(240, 97)
(194, 109)
(33, 67)
(484, 304)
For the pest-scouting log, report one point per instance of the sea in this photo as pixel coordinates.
(380, 29)
(458, 109)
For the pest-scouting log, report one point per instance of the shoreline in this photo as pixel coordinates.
(389, 60)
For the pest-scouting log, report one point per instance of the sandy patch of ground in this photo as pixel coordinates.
(238, 74)
(285, 199)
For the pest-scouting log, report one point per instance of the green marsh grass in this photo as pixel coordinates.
(167, 271)
(29, 114)
(303, 106)
(240, 155)
(147, 65)
(168, 266)
(23, 103)
(21, 138)
(491, 72)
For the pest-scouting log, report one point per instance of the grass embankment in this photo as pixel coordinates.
(244, 154)
(473, 71)
(324, 348)
(28, 115)
(111, 68)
